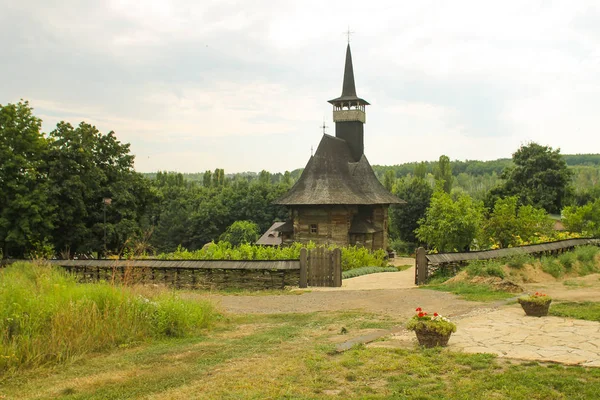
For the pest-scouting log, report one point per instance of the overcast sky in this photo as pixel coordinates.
(243, 85)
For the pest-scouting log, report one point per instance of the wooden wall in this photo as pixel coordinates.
(334, 223)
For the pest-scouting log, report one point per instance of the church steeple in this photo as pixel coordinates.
(349, 111)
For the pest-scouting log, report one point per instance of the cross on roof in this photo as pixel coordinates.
(348, 33)
(323, 127)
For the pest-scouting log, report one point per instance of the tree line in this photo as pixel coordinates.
(74, 192)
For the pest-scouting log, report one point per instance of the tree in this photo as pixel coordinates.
(84, 167)
(26, 215)
(540, 177)
(584, 219)
(510, 224)
(404, 218)
(443, 173)
(450, 225)
(241, 232)
(389, 178)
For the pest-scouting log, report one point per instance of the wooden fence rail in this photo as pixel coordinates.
(316, 267)
(426, 263)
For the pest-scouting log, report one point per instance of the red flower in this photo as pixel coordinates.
(435, 314)
(421, 315)
(418, 309)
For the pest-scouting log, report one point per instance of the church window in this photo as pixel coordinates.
(314, 228)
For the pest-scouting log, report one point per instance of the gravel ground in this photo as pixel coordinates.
(397, 302)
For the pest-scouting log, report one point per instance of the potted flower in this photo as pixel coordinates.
(431, 330)
(536, 305)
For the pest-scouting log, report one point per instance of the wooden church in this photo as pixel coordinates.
(338, 199)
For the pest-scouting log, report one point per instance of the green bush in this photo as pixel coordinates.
(552, 266)
(485, 268)
(567, 260)
(47, 318)
(586, 253)
(352, 256)
(518, 261)
(352, 273)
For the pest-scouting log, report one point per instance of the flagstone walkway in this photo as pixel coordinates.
(508, 332)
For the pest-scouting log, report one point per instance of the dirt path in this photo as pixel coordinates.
(392, 293)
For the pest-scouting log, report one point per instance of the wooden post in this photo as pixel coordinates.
(303, 268)
(337, 267)
(421, 265)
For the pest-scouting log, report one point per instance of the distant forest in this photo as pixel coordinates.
(473, 177)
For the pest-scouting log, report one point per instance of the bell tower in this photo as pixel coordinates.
(349, 112)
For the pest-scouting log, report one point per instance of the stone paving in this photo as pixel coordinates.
(508, 332)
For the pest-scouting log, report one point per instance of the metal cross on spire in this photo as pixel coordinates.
(323, 127)
(348, 33)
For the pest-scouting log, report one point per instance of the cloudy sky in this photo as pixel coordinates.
(243, 85)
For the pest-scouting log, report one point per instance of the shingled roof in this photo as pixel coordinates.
(332, 177)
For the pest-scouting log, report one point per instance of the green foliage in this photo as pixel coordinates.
(443, 173)
(353, 273)
(509, 225)
(352, 256)
(450, 225)
(47, 318)
(540, 177)
(485, 268)
(518, 261)
(26, 214)
(584, 219)
(552, 266)
(589, 311)
(241, 232)
(401, 247)
(404, 217)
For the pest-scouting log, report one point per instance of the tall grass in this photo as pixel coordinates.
(47, 318)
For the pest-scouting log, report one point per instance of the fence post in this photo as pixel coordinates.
(303, 268)
(337, 267)
(421, 266)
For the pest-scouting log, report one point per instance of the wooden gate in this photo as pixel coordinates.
(320, 267)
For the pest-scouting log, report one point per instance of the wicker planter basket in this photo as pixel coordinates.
(535, 309)
(431, 339)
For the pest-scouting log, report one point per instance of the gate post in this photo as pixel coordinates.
(421, 265)
(303, 268)
(337, 267)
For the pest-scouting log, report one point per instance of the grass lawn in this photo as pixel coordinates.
(292, 356)
(586, 310)
(472, 292)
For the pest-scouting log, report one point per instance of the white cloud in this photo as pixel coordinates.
(469, 79)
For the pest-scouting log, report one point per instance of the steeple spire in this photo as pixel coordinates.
(348, 97)
(348, 87)
(349, 112)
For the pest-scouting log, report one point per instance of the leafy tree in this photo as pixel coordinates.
(584, 219)
(241, 232)
(450, 225)
(540, 177)
(26, 215)
(510, 224)
(404, 218)
(84, 167)
(206, 179)
(443, 173)
(389, 179)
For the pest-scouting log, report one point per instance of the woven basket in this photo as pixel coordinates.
(535, 309)
(431, 339)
